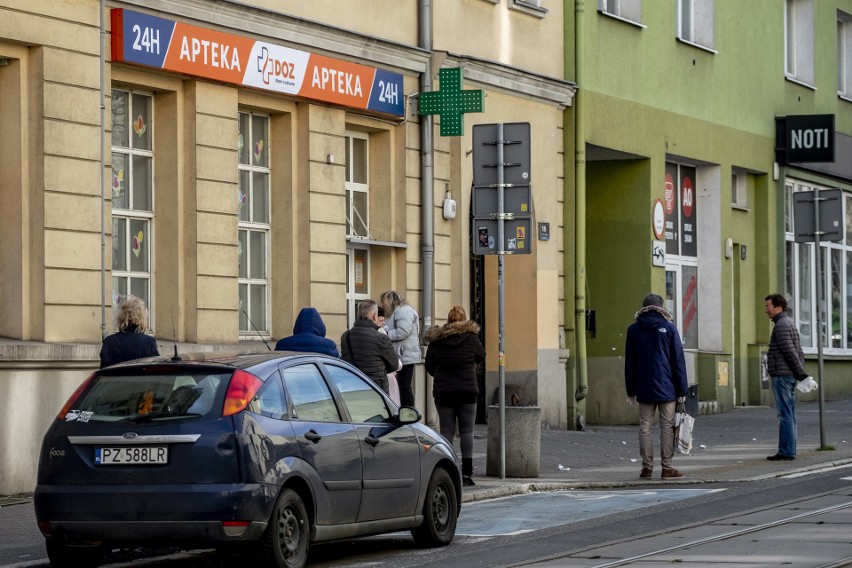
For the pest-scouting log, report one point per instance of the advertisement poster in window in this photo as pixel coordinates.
(688, 213)
(689, 306)
(670, 200)
(359, 272)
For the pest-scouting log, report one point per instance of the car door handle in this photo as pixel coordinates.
(372, 440)
(313, 436)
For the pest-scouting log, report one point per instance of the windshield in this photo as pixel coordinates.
(149, 398)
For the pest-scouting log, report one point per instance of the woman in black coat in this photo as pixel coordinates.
(130, 341)
(454, 350)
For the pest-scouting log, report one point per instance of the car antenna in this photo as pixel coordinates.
(256, 331)
(175, 357)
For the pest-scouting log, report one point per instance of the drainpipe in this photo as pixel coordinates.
(101, 36)
(427, 212)
(580, 215)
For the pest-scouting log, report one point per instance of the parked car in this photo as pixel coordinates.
(258, 454)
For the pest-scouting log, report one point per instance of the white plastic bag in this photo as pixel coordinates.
(683, 424)
(807, 385)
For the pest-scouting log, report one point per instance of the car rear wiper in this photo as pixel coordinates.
(136, 418)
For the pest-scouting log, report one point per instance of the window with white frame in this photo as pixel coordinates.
(132, 196)
(254, 222)
(739, 190)
(695, 22)
(844, 54)
(357, 185)
(357, 278)
(629, 10)
(835, 272)
(681, 233)
(799, 41)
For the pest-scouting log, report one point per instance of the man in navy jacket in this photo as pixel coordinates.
(308, 335)
(655, 377)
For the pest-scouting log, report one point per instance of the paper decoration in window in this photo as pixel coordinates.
(116, 299)
(241, 142)
(239, 252)
(117, 183)
(258, 151)
(139, 126)
(242, 198)
(136, 247)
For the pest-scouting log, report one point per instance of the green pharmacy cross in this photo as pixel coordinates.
(450, 102)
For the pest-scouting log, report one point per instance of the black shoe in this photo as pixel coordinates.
(779, 457)
(467, 481)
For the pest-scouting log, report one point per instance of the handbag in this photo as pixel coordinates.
(683, 424)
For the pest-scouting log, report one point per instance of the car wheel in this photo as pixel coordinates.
(286, 540)
(62, 555)
(440, 512)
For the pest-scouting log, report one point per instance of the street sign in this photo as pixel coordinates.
(830, 215)
(516, 153)
(516, 200)
(517, 236)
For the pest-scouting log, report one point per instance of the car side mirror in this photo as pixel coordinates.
(409, 415)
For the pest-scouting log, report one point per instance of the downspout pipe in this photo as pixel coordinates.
(580, 212)
(427, 210)
(101, 39)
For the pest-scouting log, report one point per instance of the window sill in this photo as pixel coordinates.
(493, 1)
(743, 208)
(799, 82)
(697, 45)
(363, 241)
(625, 20)
(843, 97)
(528, 8)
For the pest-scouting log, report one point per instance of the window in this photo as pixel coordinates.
(311, 397)
(628, 10)
(270, 400)
(681, 228)
(253, 226)
(132, 196)
(844, 54)
(357, 278)
(357, 186)
(799, 41)
(835, 272)
(532, 7)
(363, 402)
(695, 22)
(739, 190)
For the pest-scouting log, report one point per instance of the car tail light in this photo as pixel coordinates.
(235, 528)
(241, 391)
(44, 527)
(73, 398)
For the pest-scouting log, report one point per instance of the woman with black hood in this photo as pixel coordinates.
(454, 350)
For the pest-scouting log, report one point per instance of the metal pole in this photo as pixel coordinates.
(501, 356)
(819, 322)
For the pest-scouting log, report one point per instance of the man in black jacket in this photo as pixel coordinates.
(367, 348)
(786, 365)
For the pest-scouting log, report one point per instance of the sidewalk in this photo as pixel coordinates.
(732, 446)
(729, 447)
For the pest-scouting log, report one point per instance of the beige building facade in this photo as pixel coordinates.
(228, 205)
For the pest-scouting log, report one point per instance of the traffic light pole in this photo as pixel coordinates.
(501, 253)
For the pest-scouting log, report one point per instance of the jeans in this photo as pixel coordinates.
(466, 416)
(646, 444)
(784, 389)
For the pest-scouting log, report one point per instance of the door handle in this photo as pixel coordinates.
(372, 440)
(313, 436)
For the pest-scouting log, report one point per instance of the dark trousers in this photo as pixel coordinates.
(465, 416)
(404, 378)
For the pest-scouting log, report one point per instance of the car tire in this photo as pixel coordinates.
(440, 512)
(285, 542)
(62, 555)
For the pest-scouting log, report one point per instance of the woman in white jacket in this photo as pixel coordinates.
(403, 326)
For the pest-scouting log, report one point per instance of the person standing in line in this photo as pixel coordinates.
(393, 386)
(786, 366)
(655, 377)
(130, 341)
(308, 335)
(403, 326)
(454, 350)
(366, 348)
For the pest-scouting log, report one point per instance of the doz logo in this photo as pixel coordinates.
(275, 70)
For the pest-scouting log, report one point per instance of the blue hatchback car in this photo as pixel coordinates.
(255, 454)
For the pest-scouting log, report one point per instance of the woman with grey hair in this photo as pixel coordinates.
(130, 341)
(403, 327)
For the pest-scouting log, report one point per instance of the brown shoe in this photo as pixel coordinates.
(670, 473)
(646, 473)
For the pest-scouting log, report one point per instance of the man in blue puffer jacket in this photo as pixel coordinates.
(308, 335)
(655, 377)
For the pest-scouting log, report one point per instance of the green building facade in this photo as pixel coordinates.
(683, 188)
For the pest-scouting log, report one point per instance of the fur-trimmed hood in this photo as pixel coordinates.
(658, 309)
(450, 329)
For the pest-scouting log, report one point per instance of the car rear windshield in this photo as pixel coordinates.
(151, 397)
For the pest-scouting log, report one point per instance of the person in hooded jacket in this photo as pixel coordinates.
(308, 335)
(454, 350)
(655, 377)
(130, 341)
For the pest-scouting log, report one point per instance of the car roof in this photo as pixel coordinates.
(232, 359)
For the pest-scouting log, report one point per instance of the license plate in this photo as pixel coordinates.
(132, 455)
